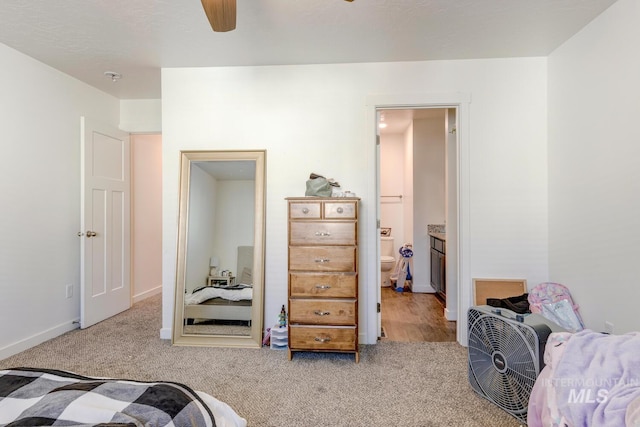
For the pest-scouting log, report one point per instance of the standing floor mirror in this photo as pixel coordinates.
(220, 264)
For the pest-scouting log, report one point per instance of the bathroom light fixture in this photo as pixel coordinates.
(382, 123)
(113, 75)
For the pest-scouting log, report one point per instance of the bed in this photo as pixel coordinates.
(589, 379)
(224, 303)
(214, 303)
(44, 397)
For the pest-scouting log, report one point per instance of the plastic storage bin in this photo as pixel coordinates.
(279, 338)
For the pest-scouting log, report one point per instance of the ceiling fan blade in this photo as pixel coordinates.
(221, 14)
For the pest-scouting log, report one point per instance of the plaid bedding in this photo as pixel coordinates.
(46, 397)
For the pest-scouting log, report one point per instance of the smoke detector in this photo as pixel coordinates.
(113, 75)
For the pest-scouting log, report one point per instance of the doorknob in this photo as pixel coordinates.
(80, 234)
(91, 234)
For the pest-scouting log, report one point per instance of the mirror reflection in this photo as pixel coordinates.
(220, 265)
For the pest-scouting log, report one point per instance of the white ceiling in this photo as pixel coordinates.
(85, 38)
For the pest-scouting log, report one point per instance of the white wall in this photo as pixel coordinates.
(143, 118)
(594, 179)
(316, 118)
(40, 110)
(235, 209)
(220, 212)
(201, 233)
(425, 160)
(429, 160)
(141, 115)
(392, 184)
(146, 215)
(407, 185)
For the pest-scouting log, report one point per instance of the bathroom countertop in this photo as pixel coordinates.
(441, 236)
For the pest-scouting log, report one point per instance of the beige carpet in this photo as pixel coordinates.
(395, 384)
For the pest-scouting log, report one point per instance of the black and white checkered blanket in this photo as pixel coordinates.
(45, 397)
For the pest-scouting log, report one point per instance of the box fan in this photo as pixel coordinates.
(506, 355)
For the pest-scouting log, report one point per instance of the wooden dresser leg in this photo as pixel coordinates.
(357, 356)
(290, 354)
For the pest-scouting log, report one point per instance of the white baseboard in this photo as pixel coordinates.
(146, 294)
(165, 333)
(421, 288)
(362, 339)
(450, 314)
(39, 338)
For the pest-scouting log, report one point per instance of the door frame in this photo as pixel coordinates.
(459, 101)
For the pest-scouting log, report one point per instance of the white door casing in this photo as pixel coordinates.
(378, 249)
(460, 101)
(105, 216)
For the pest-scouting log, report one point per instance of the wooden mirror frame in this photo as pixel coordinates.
(254, 339)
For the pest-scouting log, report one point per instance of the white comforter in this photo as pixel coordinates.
(211, 292)
(590, 379)
(224, 415)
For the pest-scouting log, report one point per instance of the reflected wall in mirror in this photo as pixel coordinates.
(220, 264)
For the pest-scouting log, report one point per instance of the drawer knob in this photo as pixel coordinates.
(340, 210)
(323, 287)
(322, 260)
(322, 313)
(322, 339)
(323, 233)
(305, 210)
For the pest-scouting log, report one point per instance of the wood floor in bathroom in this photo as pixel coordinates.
(414, 317)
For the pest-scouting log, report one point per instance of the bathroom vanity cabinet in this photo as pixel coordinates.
(323, 274)
(438, 263)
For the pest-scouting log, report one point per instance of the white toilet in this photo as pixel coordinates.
(387, 260)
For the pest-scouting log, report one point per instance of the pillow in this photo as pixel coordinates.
(246, 277)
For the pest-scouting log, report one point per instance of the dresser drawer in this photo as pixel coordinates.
(322, 233)
(329, 285)
(320, 338)
(340, 210)
(322, 312)
(322, 258)
(309, 210)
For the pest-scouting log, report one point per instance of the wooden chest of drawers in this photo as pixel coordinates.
(323, 274)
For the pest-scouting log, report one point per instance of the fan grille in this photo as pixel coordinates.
(503, 360)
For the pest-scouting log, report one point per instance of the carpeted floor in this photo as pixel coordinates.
(395, 384)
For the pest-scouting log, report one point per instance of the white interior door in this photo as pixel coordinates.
(105, 203)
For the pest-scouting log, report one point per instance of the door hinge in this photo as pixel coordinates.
(378, 307)
(378, 224)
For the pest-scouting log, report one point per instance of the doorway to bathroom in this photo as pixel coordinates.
(417, 189)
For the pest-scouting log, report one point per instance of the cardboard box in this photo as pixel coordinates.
(497, 288)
